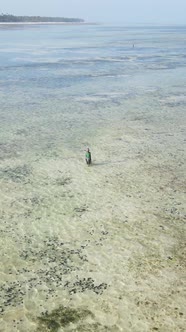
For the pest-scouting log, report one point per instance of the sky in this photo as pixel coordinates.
(103, 11)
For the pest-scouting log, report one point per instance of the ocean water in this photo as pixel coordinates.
(71, 235)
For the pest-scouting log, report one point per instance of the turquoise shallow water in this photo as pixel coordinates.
(75, 236)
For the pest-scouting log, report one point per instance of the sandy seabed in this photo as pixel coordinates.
(97, 248)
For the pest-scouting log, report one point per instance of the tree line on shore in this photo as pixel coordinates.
(7, 18)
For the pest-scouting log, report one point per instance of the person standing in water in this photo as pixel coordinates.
(88, 157)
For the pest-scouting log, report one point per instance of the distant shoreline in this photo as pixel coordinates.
(48, 23)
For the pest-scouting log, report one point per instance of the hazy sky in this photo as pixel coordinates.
(108, 11)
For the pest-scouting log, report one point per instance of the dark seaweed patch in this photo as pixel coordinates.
(15, 174)
(8, 150)
(58, 262)
(80, 210)
(87, 284)
(63, 181)
(61, 317)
